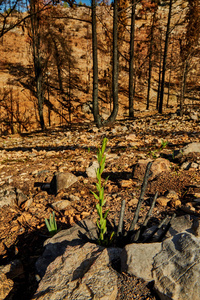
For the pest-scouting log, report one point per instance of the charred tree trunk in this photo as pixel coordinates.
(150, 59)
(131, 61)
(97, 118)
(115, 70)
(185, 67)
(37, 60)
(165, 58)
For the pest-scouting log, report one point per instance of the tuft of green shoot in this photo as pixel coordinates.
(51, 224)
(163, 144)
(102, 220)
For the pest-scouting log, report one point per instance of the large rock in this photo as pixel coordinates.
(176, 268)
(190, 148)
(62, 181)
(11, 196)
(77, 235)
(81, 273)
(137, 259)
(158, 166)
(7, 275)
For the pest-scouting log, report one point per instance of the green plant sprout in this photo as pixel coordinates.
(163, 144)
(51, 224)
(102, 220)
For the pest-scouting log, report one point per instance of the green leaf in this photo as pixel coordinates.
(105, 181)
(98, 185)
(104, 230)
(102, 166)
(98, 209)
(98, 173)
(106, 213)
(104, 201)
(48, 225)
(104, 145)
(98, 225)
(95, 195)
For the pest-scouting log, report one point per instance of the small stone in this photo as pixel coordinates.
(6, 286)
(85, 214)
(62, 181)
(131, 137)
(92, 169)
(126, 183)
(194, 165)
(74, 198)
(163, 201)
(196, 227)
(61, 205)
(175, 203)
(188, 209)
(133, 202)
(158, 166)
(171, 194)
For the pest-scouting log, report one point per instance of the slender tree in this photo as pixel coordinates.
(115, 69)
(151, 54)
(165, 58)
(131, 61)
(189, 43)
(37, 57)
(96, 114)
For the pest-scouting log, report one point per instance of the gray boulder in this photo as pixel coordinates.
(77, 235)
(81, 273)
(11, 196)
(159, 166)
(137, 259)
(176, 268)
(190, 148)
(62, 181)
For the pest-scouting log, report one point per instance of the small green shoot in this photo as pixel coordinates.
(51, 224)
(102, 220)
(163, 144)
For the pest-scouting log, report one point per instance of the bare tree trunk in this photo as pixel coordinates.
(150, 58)
(131, 61)
(97, 118)
(115, 69)
(185, 67)
(159, 78)
(165, 58)
(37, 60)
(170, 74)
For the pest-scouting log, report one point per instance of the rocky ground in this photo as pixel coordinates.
(28, 163)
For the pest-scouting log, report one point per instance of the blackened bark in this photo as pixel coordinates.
(37, 60)
(131, 61)
(96, 115)
(115, 69)
(185, 67)
(150, 58)
(165, 58)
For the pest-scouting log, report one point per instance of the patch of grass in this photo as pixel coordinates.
(51, 224)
